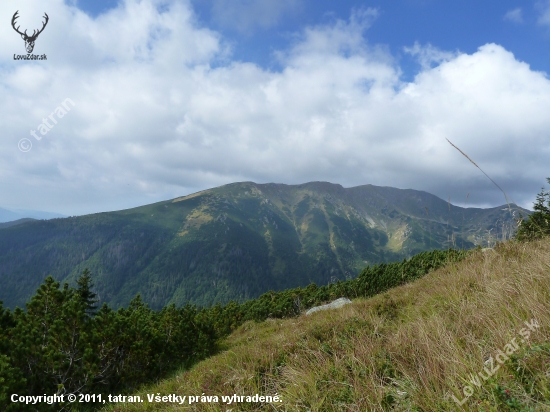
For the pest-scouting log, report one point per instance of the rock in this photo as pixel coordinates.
(338, 303)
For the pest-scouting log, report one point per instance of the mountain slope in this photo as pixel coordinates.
(15, 222)
(472, 335)
(238, 241)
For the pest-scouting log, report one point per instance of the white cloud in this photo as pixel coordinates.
(162, 111)
(340, 37)
(247, 15)
(429, 56)
(543, 7)
(514, 15)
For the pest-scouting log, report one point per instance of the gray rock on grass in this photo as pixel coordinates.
(338, 303)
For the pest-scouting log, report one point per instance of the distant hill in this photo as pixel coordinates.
(7, 215)
(12, 215)
(14, 223)
(239, 240)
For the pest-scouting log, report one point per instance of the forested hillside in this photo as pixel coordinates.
(64, 344)
(239, 241)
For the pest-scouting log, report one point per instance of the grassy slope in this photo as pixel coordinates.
(407, 349)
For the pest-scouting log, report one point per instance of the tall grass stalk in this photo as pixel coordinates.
(475, 164)
(518, 220)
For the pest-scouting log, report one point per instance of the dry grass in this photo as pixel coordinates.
(406, 350)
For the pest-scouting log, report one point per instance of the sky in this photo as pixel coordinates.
(140, 101)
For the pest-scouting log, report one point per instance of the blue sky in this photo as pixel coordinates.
(169, 97)
(462, 25)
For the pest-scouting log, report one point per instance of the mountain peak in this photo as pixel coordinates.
(239, 240)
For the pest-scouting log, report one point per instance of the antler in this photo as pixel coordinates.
(15, 16)
(34, 33)
(43, 25)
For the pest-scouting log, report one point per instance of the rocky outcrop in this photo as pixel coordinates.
(338, 303)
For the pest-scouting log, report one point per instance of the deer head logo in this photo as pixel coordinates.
(29, 40)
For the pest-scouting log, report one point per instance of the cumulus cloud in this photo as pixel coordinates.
(247, 15)
(161, 111)
(514, 15)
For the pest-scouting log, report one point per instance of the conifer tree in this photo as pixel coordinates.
(84, 290)
(537, 224)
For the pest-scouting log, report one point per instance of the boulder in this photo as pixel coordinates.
(338, 303)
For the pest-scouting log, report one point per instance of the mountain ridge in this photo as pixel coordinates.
(239, 240)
